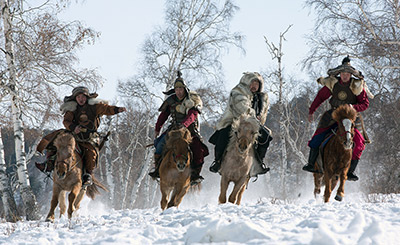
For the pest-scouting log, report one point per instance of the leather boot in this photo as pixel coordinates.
(195, 177)
(261, 151)
(220, 147)
(312, 158)
(157, 162)
(350, 174)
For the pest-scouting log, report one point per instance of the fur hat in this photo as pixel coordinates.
(80, 90)
(179, 83)
(345, 67)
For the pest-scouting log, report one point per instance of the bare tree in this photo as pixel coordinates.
(195, 35)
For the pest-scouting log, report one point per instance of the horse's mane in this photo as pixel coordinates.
(176, 135)
(64, 139)
(244, 121)
(344, 111)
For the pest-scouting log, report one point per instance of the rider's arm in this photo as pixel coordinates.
(362, 102)
(161, 119)
(190, 117)
(241, 104)
(69, 121)
(108, 110)
(323, 94)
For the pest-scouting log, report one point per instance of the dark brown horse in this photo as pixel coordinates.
(337, 154)
(175, 168)
(67, 177)
(239, 158)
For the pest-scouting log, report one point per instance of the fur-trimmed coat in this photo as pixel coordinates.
(356, 85)
(240, 101)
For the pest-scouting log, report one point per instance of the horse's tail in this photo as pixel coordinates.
(93, 189)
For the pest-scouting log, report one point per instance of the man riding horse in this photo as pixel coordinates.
(342, 88)
(183, 106)
(82, 112)
(246, 97)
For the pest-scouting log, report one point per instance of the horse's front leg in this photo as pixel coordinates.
(224, 187)
(328, 190)
(71, 200)
(238, 186)
(79, 198)
(340, 192)
(54, 203)
(241, 191)
(180, 193)
(317, 184)
(61, 203)
(164, 195)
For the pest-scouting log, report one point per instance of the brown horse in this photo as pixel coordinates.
(239, 158)
(175, 168)
(337, 154)
(67, 177)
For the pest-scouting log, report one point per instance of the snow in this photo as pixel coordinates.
(356, 220)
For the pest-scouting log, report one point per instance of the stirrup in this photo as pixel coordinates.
(215, 166)
(311, 168)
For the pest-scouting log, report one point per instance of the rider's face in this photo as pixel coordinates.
(81, 99)
(345, 77)
(254, 86)
(180, 92)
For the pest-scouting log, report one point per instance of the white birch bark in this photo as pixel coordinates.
(9, 206)
(143, 170)
(31, 209)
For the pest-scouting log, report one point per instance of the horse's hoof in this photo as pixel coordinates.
(50, 220)
(338, 198)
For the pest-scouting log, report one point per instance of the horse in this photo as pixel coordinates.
(239, 157)
(175, 168)
(67, 177)
(337, 154)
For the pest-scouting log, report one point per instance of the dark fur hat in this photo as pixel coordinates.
(179, 83)
(80, 90)
(345, 67)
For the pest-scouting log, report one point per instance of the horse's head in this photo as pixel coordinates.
(345, 115)
(245, 130)
(65, 144)
(178, 142)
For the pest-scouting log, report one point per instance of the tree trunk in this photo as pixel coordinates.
(27, 195)
(9, 206)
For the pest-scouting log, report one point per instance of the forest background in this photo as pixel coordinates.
(39, 65)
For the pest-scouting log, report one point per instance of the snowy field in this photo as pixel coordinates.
(363, 220)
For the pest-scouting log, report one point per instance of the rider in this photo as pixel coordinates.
(246, 97)
(342, 89)
(184, 106)
(82, 112)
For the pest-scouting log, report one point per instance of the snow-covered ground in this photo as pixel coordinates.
(359, 219)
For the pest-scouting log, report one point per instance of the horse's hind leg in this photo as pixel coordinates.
(54, 203)
(340, 192)
(224, 187)
(241, 191)
(62, 204)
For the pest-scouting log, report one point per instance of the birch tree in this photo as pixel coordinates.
(9, 206)
(38, 56)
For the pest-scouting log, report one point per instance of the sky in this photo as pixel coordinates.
(124, 25)
(357, 219)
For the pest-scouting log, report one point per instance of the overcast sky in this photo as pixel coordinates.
(124, 25)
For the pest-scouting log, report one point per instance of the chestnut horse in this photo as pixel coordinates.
(67, 177)
(175, 168)
(239, 158)
(337, 154)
